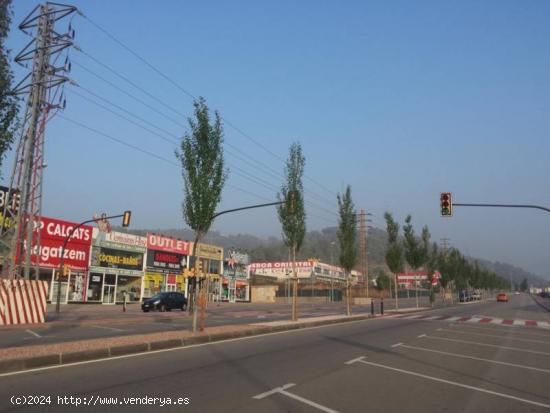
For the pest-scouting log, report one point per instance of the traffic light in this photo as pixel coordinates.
(126, 218)
(446, 202)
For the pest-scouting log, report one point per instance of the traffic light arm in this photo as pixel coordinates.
(217, 214)
(505, 206)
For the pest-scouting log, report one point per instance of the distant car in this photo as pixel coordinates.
(502, 297)
(476, 295)
(517, 293)
(165, 302)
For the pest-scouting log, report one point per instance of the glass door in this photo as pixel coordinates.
(108, 294)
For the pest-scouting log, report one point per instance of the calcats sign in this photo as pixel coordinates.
(52, 235)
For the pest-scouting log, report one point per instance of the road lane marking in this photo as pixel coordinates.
(282, 390)
(497, 321)
(453, 319)
(186, 347)
(273, 391)
(396, 345)
(109, 328)
(421, 335)
(527, 340)
(474, 319)
(487, 345)
(33, 333)
(439, 329)
(516, 332)
(465, 356)
(354, 360)
(452, 383)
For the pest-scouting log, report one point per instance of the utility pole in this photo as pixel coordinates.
(362, 250)
(43, 88)
(444, 243)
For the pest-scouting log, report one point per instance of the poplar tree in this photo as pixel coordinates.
(347, 238)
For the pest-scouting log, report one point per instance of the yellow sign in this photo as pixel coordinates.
(211, 252)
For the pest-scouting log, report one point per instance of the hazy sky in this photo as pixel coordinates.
(399, 99)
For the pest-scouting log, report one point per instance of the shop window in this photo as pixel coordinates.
(213, 267)
(77, 285)
(129, 285)
(110, 279)
(94, 286)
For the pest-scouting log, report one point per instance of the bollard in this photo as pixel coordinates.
(372, 307)
(382, 306)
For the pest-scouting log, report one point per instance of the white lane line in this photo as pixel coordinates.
(454, 383)
(452, 319)
(527, 340)
(282, 390)
(109, 328)
(273, 391)
(465, 356)
(33, 333)
(487, 345)
(439, 329)
(395, 345)
(473, 320)
(421, 335)
(412, 317)
(435, 317)
(187, 347)
(354, 360)
(516, 332)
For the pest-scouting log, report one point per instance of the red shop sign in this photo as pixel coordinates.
(52, 235)
(161, 243)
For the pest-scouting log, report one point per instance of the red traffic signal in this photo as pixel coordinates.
(446, 204)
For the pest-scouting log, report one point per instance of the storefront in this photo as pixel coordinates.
(211, 265)
(235, 282)
(167, 258)
(116, 267)
(53, 233)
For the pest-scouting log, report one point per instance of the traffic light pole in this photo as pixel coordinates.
(504, 206)
(202, 303)
(126, 222)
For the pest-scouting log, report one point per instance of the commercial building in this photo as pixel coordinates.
(116, 267)
(211, 265)
(235, 281)
(167, 258)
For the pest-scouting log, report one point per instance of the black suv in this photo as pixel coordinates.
(165, 302)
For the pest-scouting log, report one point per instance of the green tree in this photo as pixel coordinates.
(347, 238)
(292, 214)
(416, 250)
(204, 176)
(394, 251)
(382, 282)
(523, 286)
(8, 102)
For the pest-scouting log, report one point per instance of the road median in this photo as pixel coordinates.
(16, 359)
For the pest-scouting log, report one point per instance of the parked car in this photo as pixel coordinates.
(502, 297)
(476, 295)
(165, 302)
(464, 296)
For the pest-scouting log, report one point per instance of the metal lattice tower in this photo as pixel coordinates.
(43, 87)
(363, 250)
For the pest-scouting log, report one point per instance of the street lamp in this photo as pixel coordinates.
(332, 271)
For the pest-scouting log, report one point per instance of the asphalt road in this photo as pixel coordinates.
(245, 313)
(379, 365)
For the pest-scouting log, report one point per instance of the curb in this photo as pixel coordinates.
(543, 305)
(58, 359)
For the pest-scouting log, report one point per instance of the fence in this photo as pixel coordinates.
(22, 301)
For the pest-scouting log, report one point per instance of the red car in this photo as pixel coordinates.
(502, 297)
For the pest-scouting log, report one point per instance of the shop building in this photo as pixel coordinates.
(235, 281)
(167, 259)
(116, 267)
(211, 265)
(53, 233)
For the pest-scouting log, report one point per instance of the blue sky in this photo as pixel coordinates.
(401, 100)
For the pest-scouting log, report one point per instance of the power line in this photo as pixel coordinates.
(170, 140)
(133, 84)
(144, 151)
(192, 96)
